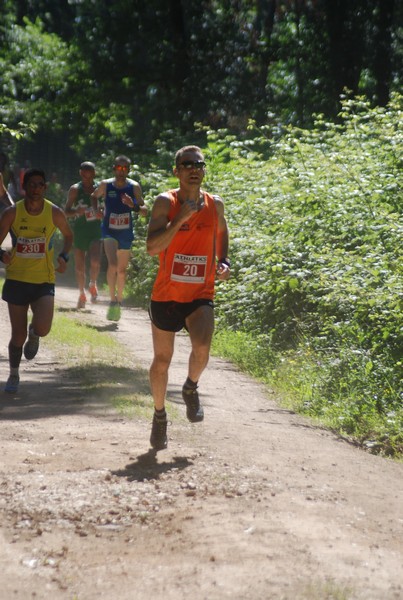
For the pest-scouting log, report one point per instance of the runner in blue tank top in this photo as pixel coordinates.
(122, 197)
(118, 216)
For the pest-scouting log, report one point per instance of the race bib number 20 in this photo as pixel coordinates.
(31, 247)
(189, 269)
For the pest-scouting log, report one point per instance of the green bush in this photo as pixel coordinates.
(316, 226)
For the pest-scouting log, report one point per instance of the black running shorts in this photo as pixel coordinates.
(21, 293)
(171, 316)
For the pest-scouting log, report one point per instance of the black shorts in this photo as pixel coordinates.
(171, 316)
(21, 293)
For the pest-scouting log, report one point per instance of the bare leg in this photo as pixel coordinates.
(79, 259)
(19, 324)
(200, 325)
(19, 321)
(42, 311)
(111, 248)
(163, 342)
(123, 261)
(95, 260)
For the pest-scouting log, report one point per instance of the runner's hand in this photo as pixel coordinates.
(223, 271)
(62, 265)
(128, 200)
(80, 210)
(188, 208)
(6, 258)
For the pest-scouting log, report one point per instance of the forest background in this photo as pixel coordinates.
(298, 107)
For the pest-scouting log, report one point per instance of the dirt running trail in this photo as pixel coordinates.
(254, 503)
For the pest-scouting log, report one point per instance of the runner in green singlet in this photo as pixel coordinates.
(87, 231)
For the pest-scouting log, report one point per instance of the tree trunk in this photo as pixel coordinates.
(382, 60)
(345, 24)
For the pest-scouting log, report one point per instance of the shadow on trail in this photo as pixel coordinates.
(106, 327)
(174, 395)
(110, 326)
(285, 411)
(94, 389)
(146, 467)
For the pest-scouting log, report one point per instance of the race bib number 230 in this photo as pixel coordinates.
(189, 269)
(31, 247)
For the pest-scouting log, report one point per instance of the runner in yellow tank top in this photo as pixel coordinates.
(188, 231)
(32, 252)
(30, 272)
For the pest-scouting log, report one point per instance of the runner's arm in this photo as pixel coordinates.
(161, 231)
(6, 221)
(137, 204)
(222, 242)
(71, 210)
(5, 197)
(98, 193)
(60, 220)
(138, 194)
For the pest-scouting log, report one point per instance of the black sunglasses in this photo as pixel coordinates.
(193, 164)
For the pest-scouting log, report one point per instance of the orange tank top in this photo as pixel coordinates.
(187, 267)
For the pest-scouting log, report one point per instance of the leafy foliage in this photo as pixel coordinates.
(121, 73)
(35, 70)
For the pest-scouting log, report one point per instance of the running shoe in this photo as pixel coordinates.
(11, 386)
(113, 313)
(82, 300)
(158, 438)
(32, 345)
(93, 290)
(194, 410)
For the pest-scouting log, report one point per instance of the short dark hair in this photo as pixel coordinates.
(122, 158)
(29, 173)
(183, 151)
(87, 166)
